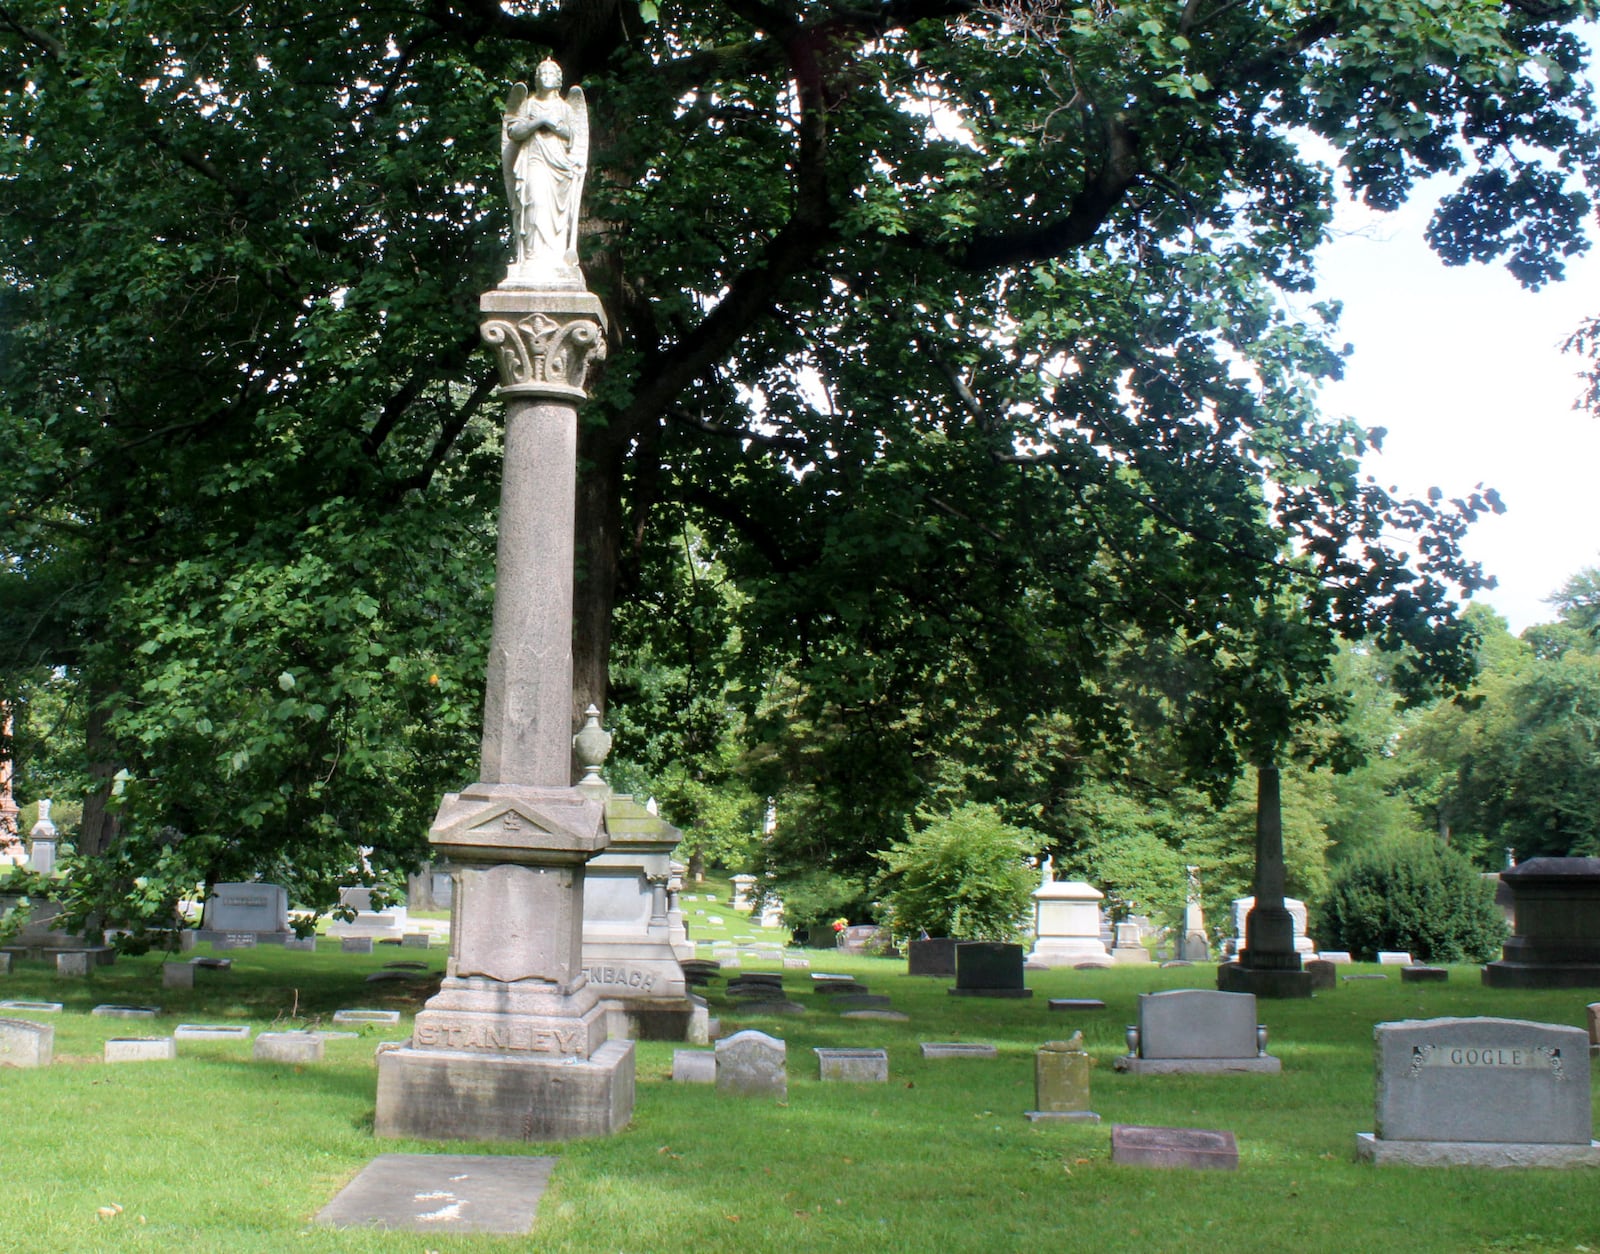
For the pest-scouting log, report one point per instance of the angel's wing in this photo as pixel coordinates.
(579, 154)
(515, 99)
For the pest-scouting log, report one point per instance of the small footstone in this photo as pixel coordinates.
(1369, 975)
(127, 1012)
(883, 1016)
(1424, 975)
(1076, 1003)
(384, 1018)
(177, 975)
(1201, 1148)
(958, 1049)
(33, 1007)
(212, 1032)
(289, 1047)
(141, 1049)
(443, 1193)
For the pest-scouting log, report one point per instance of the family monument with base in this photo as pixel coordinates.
(514, 1044)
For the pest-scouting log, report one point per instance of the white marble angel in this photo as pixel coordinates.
(544, 154)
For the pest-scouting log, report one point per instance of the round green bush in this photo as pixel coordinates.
(962, 876)
(1412, 894)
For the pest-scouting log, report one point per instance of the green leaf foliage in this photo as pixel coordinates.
(971, 347)
(1414, 895)
(961, 875)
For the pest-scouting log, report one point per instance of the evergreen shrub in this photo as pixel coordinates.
(1413, 894)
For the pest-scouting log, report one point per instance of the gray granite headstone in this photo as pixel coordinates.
(443, 1194)
(1503, 1081)
(752, 1063)
(1196, 1030)
(177, 975)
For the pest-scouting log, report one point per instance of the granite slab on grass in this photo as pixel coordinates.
(443, 1194)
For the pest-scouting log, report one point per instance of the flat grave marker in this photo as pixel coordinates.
(443, 1194)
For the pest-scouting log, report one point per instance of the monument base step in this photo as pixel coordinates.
(1541, 975)
(1369, 1148)
(1233, 978)
(443, 1095)
(657, 1019)
(1198, 1066)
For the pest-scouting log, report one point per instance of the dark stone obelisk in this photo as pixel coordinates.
(1268, 965)
(514, 1045)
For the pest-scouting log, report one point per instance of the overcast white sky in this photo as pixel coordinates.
(1465, 369)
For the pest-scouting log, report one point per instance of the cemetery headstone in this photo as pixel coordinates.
(212, 1032)
(1196, 1030)
(1339, 957)
(958, 1049)
(1393, 958)
(1481, 1092)
(935, 956)
(1195, 945)
(1061, 1082)
(752, 1064)
(140, 1049)
(743, 886)
(853, 1066)
(288, 1047)
(443, 1194)
(24, 1043)
(355, 944)
(33, 1007)
(989, 969)
(112, 1011)
(72, 963)
(694, 1066)
(1129, 947)
(1201, 1149)
(1324, 974)
(1418, 974)
(235, 911)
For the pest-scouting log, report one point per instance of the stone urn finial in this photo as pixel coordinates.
(592, 744)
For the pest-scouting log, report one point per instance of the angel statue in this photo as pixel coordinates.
(544, 153)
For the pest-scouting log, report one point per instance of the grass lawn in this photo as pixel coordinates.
(216, 1153)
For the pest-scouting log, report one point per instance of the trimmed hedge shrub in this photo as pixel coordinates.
(1412, 894)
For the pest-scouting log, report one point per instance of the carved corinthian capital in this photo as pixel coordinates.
(544, 343)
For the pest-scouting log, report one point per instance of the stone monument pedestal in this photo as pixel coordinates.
(1066, 922)
(1557, 926)
(513, 1046)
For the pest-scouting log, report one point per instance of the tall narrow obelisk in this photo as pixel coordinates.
(1268, 965)
(513, 1046)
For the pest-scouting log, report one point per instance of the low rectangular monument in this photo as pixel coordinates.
(1481, 1093)
(1556, 941)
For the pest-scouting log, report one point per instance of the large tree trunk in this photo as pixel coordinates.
(598, 527)
(100, 825)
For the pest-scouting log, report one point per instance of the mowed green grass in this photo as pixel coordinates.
(216, 1152)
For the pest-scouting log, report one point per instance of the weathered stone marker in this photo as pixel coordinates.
(1204, 1149)
(514, 1044)
(1061, 1082)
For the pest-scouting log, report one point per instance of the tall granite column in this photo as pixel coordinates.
(1268, 965)
(514, 1045)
